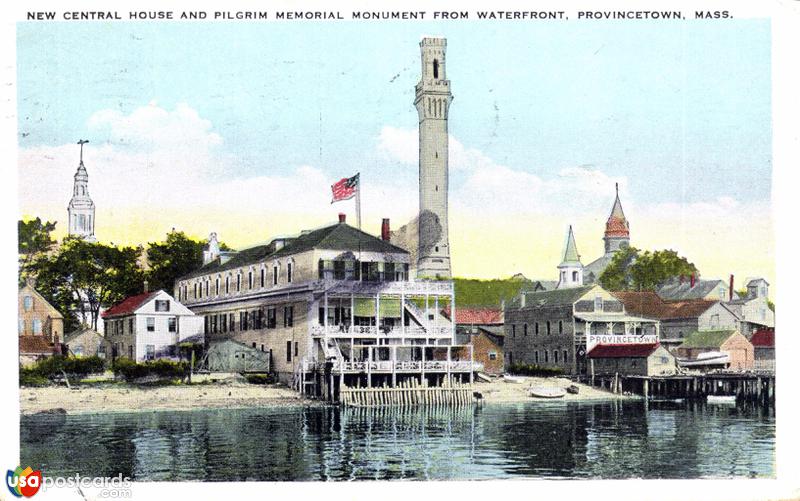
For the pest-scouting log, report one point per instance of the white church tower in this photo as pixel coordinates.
(81, 208)
(570, 271)
(432, 100)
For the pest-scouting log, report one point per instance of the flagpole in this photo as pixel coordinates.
(358, 200)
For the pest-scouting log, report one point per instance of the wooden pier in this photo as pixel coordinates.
(746, 387)
(407, 393)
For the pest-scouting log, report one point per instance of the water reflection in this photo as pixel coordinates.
(605, 440)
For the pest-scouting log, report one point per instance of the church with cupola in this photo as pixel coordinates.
(617, 237)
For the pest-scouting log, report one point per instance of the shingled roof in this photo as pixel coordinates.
(37, 345)
(340, 236)
(651, 305)
(476, 316)
(128, 305)
(617, 224)
(707, 339)
(558, 297)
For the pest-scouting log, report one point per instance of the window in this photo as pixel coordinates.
(78, 351)
(275, 274)
(272, 317)
(195, 290)
(232, 322)
(254, 344)
(536, 357)
(513, 330)
(296, 348)
(151, 324)
(207, 283)
(172, 324)
(37, 326)
(238, 283)
(250, 282)
(227, 285)
(288, 272)
(288, 316)
(492, 355)
(150, 352)
(263, 277)
(101, 350)
(216, 288)
(130, 352)
(27, 303)
(566, 356)
(536, 328)
(511, 358)
(555, 356)
(561, 327)
(548, 327)
(223, 320)
(715, 320)
(545, 356)
(525, 330)
(262, 347)
(130, 325)
(21, 326)
(598, 303)
(162, 305)
(435, 68)
(664, 360)
(574, 276)
(288, 351)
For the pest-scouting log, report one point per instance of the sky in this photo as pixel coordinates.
(241, 128)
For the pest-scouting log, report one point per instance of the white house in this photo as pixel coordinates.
(149, 326)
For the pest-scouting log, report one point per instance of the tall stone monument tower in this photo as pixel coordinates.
(81, 208)
(433, 102)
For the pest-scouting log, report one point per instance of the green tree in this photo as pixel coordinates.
(83, 277)
(34, 241)
(632, 269)
(174, 257)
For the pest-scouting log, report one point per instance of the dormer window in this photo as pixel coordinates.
(598, 303)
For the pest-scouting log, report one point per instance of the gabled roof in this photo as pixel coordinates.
(707, 339)
(756, 281)
(340, 236)
(701, 289)
(763, 338)
(36, 344)
(571, 257)
(649, 304)
(558, 297)
(476, 316)
(129, 305)
(622, 350)
(83, 330)
(31, 290)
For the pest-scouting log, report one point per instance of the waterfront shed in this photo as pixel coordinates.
(232, 356)
(730, 342)
(650, 359)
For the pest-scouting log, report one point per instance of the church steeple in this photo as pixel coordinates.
(617, 234)
(570, 271)
(80, 210)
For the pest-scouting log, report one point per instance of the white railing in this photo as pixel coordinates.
(398, 287)
(359, 331)
(408, 365)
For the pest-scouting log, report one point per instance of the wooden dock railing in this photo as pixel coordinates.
(407, 393)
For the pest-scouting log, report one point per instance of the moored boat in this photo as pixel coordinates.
(721, 399)
(513, 379)
(546, 392)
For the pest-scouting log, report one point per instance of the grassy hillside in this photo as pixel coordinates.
(475, 293)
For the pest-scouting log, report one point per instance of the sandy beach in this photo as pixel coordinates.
(110, 397)
(499, 391)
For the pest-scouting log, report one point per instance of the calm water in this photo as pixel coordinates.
(535, 440)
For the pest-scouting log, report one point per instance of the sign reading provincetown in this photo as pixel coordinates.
(594, 339)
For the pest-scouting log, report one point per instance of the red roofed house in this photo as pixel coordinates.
(483, 329)
(631, 360)
(149, 326)
(763, 342)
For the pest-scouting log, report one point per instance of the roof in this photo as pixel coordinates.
(622, 350)
(571, 256)
(617, 225)
(701, 289)
(597, 267)
(756, 281)
(494, 330)
(53, 311)
(707, 339)
(649, 304)
(558, 297)
(763, 338)
(476, 316)
(129, 305)
(36, 344)
(340, 236)
(79, 332)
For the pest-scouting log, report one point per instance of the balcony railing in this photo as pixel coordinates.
(405, 287)
(359, 332)
(399, 366)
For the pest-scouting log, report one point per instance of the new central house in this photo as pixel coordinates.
(331, 306)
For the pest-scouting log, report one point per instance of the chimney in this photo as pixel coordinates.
(730, 289)
(342, 217)
(385, 229)
(146, 286)
(522, 300)
(691, 281)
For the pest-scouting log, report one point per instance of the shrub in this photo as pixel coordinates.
(534, 370)
(52, 367)
(166, 369)
(259, 378)
(30, 377)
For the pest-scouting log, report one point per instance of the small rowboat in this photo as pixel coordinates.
(544, 392)
(513, 379)
(721, 399)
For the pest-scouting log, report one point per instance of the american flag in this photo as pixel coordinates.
(345, 188)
